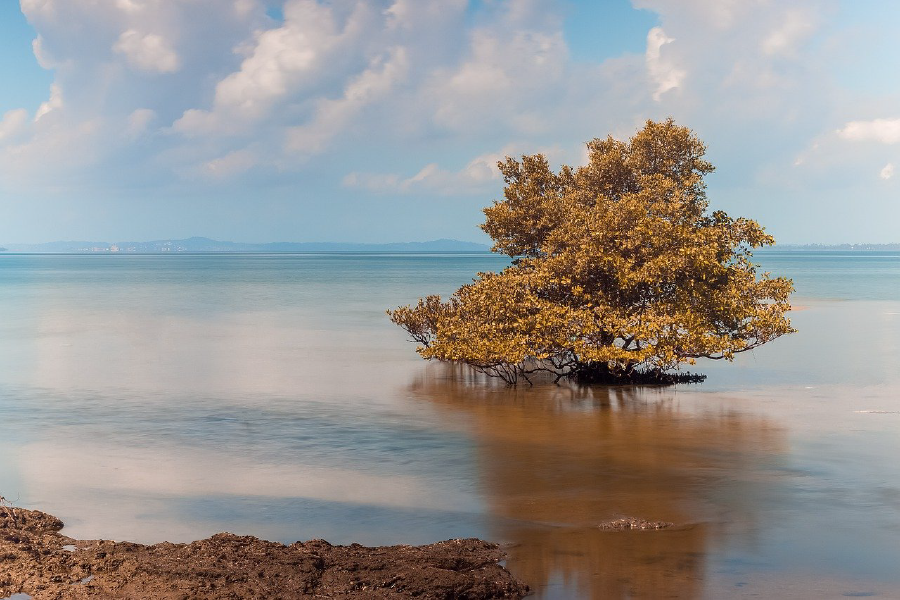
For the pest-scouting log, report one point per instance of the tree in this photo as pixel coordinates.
(619, 273)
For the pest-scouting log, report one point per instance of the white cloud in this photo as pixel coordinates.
(410, 15)
(138, 122)
(480, 175)
(506, 78)
(832, 162)
(718, 15)
(53, 152)
(664, 73)
(129, 6)
(148, 52)
(243, 8)
(283, 62)
(280, 59)
(737, 58)
(13, 123)
(796, 26)
(198, 122)
(333, 115)
(37, 47)
(228, 166)
(55, 102)
(418, 81)
(38, 7)
(327, 74)
(886, 131)
(98, 113)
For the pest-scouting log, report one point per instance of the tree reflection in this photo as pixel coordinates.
(555, 462)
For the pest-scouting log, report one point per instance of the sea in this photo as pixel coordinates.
(170, 397)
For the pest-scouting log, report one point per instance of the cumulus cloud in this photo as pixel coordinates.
(55, 102)
(478, 176)
(411, 15)
(52, 152)
(392, 69)
(317, 73)
(148, 52)
(281, 58)
(188, 93)
(510, 77)
(37, 47)
(12, 124)
(666, 75)
(833, 161)
(885, 131)
(333, 115)
(101, 112)
(280, 62)
(750, 55)
(139, 121)
(228, 166)
(796, 25)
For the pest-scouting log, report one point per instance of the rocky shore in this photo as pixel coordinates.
(37, 560)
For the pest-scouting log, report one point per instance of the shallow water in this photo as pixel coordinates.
(172, 397)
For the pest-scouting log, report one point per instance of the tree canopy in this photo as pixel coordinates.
(619, 271)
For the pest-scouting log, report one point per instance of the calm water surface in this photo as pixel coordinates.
(158, 398)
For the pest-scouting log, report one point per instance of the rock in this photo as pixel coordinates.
(37, 560)
(634, 523)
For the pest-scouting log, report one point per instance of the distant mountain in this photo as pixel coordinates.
(202, 244)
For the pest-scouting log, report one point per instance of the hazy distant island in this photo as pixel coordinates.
(202, 244)
(844, 247)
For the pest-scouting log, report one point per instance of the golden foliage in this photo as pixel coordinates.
(618, 270)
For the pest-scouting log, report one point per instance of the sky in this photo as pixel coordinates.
(382, 120)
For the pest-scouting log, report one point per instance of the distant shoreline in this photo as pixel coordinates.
(207, 245)
(258, 253)
(201, 245)
(411, 251)
(843, 247)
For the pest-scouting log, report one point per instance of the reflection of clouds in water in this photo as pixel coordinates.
(556, 461)
(225, 354)
(63, 477)
(837, 343)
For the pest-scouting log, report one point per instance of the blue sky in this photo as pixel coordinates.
(25, 84)
(382, 120)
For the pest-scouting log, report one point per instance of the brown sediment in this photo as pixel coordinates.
(36, 559)
(594, 455)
